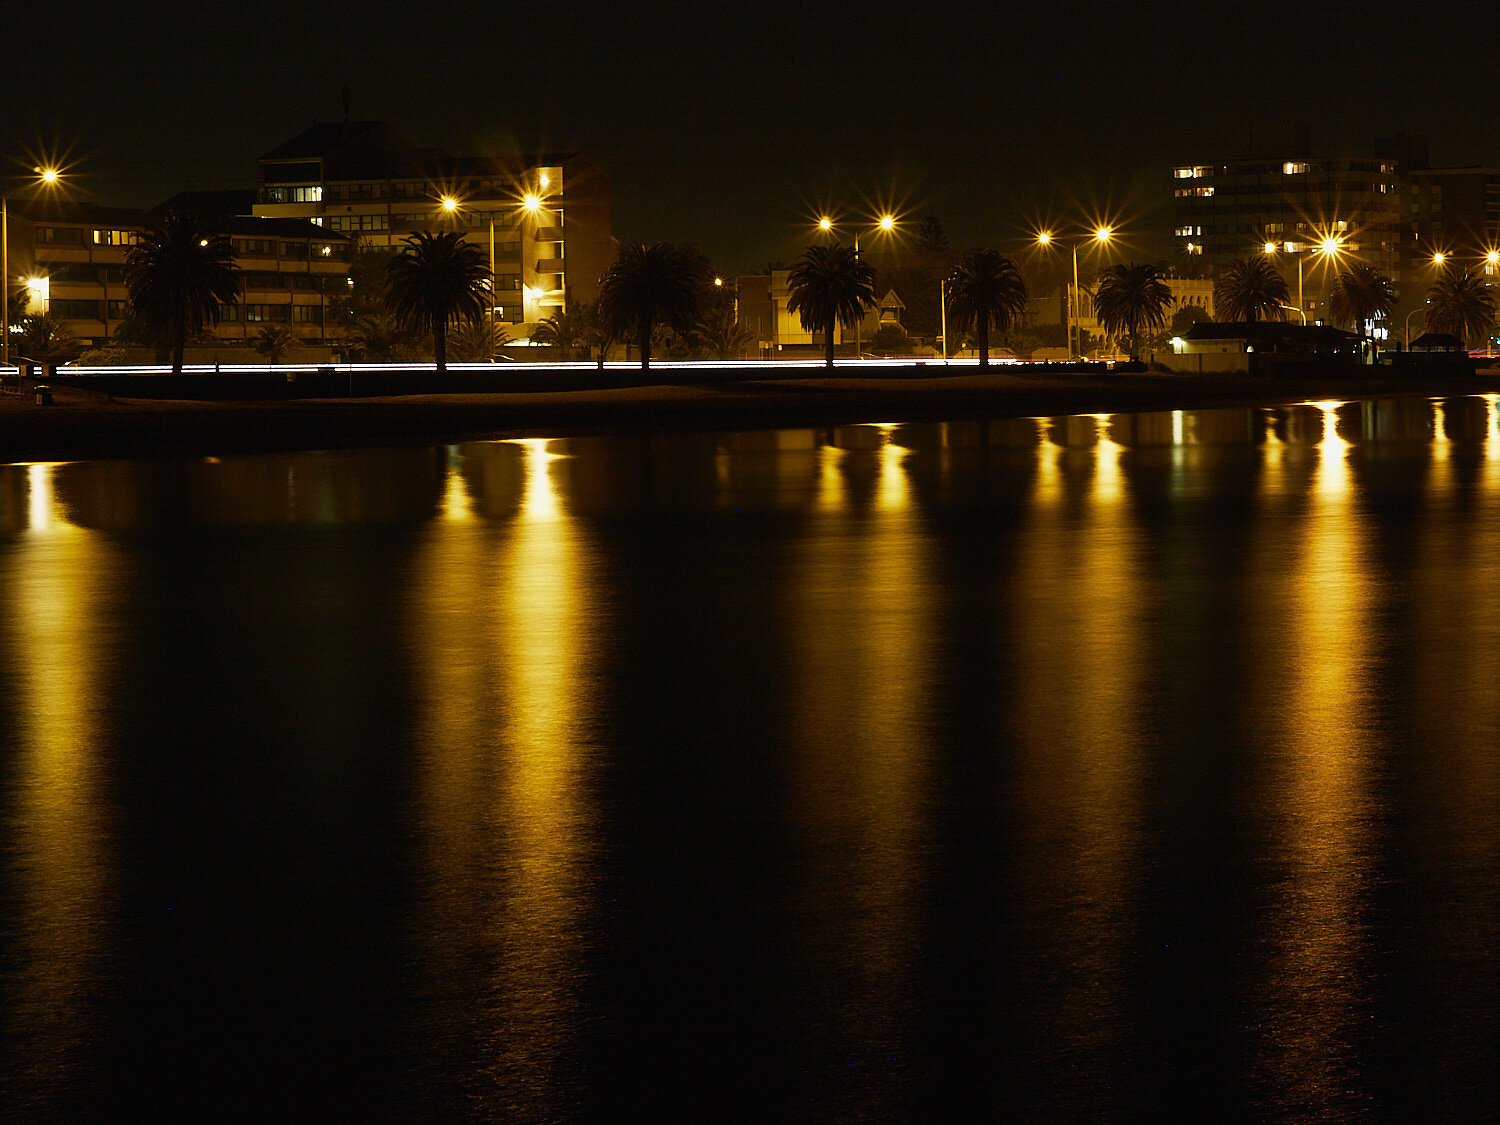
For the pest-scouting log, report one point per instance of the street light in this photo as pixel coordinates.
(47, 177)
(883, 224)
(1100, 237)
(1407, 330)
(943, 307)
(1269, 249)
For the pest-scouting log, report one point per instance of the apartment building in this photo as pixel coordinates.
(1300, 204)
(71, 257)
(544, 220)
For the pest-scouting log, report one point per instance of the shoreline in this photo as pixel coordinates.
(84, 425)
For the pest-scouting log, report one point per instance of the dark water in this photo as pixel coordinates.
(1118, 768)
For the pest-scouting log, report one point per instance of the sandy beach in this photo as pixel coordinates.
(82, 425)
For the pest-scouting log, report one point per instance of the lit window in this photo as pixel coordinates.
(1294, 168)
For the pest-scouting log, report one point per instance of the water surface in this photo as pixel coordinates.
(1067, 768)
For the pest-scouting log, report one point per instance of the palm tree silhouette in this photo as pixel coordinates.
(1130, 301)
(647, 285)
(1460, 303)
(562, 330)
(830, 285)
(377, 338)
(437, 280)
(721, 334)
(178, 275)
(274, 342)
(985, 289)
(1360, 294)
(1250, 289)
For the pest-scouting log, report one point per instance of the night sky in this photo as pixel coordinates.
(730, 124)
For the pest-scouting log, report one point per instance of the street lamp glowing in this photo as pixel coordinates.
(719, 281)
(531, 201)
(1103, 234)
(450, 204)
(825, 223)
(887, 222)
(1439, 258)
(1270, 248)
(1492, 257)
(1044, 238)
(1329, 246)
(49, 175)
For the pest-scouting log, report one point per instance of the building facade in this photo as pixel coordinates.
(1313, 212)
(71, 257)
(544, 221)
(1455, 212)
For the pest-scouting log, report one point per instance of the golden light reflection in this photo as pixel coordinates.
(1492, 444)
(507, 616)
(893, 486)
(1107, 487)
(1316, 810)
(1048, 487)
(43, 513)
(1442, 446)
(1333, 454)
(862, 683)
(832, 494)
(457, 504)
(61, 584)
(1076, 602)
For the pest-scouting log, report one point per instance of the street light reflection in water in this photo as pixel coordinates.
(839, 762)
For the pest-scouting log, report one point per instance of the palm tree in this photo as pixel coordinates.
(562, 330)
(1460, 303)
(1361, 294)
(44, 336)
(985, 289)
(437, 280)
(646, 286)
(377, 338)
(178, 275)
(1131, 301)
(1250, 289)
(274, 342)
(477, 341)
(721, 334)
(830, 285)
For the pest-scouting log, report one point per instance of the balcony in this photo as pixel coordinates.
(549, 265)
(548, 234)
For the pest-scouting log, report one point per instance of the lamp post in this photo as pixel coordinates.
(1330, 247)
(450, 207)
(943, 309)
(885, 224)
(1269, 249)
(1407, 330)
(47, 177)
(1101, 236)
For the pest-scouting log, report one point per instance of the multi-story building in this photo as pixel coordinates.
(73, 258)
(544, 220)
(1455, 212)
(1299, 204)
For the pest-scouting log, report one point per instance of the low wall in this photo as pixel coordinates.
(1204, 363)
